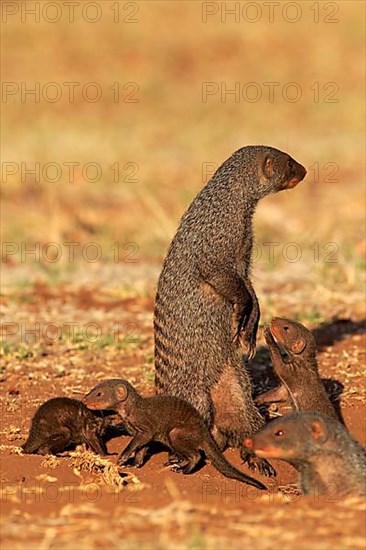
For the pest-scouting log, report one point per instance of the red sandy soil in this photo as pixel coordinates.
(61, 507)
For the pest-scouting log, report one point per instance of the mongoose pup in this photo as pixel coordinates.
(301, 383)
(165, 419)
(330, 461)
(205, 303)
(61, 423)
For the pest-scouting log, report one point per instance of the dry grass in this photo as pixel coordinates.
(102, 468)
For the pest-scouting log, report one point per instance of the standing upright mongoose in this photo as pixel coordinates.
(330, 461)
(205, 303)
(61, 423)
(301, 383)
(165, 419)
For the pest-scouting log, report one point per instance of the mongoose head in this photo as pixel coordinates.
(293, 437)
(268, 170)
(294, 338)
(108, 394)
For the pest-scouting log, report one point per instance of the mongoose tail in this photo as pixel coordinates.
(219, 461)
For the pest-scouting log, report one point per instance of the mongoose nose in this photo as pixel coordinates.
(248, 443)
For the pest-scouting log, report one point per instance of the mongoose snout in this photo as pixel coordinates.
(297, 174)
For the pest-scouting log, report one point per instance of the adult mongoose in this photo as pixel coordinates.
(61, 423)
(205, 303)
(165, 419)
(330, 461)
(301, 384)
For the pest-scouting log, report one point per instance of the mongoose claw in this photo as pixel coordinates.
(173, 460)
(250, 344)
(252, 349)
(255, 463)
(176, 468)
(138, 461)
(122, 460)
(265, 468)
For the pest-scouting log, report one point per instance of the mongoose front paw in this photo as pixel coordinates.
(249, 343)
(173, 460)
(182, 467)
(256, 463)
(175, 467)
(122, 460)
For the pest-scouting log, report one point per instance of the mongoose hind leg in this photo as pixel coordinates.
(236, 416)
(220, 438)
(185, 443)
(55, 443)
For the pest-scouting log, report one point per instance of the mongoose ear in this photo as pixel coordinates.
(318, 430)
(299, 346)
(121, 392)
(268, 169)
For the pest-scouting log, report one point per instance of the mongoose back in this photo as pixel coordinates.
(165, 419)
(205, 304)
(301, 383)
(60, 423)
(330, 461)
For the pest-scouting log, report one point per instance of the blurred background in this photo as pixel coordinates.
(156, 95)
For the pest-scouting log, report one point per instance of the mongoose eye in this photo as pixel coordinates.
(279, 433)
(99, 393)
(285, 328)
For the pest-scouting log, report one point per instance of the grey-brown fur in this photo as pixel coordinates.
(165, 419)
(299, 374)
(205, 303)
(61, 423)
(330, 461)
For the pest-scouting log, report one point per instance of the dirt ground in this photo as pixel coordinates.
(61, 502)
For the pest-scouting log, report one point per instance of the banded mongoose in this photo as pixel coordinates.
(165, 419)
(330, 461)
(62, 423)
(205, 303)
(301, 383)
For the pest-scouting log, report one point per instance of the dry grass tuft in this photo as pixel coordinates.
(12, 449)
(101, 467)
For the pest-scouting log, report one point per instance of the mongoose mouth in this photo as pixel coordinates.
(94, 406)
(268, 451)
(290, 184)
